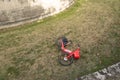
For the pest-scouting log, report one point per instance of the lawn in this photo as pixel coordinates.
(28, 52)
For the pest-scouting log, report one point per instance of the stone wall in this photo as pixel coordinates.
(16, 12)
(110, 73)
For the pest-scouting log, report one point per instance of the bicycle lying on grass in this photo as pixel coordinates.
(67, 56)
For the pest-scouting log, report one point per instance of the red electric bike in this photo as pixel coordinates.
(67, 56)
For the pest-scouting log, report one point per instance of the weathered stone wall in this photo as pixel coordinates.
(22, 11)
(110, 73)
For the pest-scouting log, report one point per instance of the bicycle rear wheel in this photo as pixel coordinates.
(62, 58)
(58, 43)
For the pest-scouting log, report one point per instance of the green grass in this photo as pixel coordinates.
(28, 52)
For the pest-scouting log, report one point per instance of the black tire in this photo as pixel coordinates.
(58, 43)
(64, 62)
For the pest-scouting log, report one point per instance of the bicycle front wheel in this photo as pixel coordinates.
(62, 58)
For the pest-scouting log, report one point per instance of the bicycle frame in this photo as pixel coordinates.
(75, 54)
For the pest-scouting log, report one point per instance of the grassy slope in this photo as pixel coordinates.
(29, 53)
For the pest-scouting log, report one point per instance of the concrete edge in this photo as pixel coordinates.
(22, 22)
(106, 73)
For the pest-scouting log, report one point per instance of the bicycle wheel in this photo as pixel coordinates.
(58, 43)
(64, 61)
